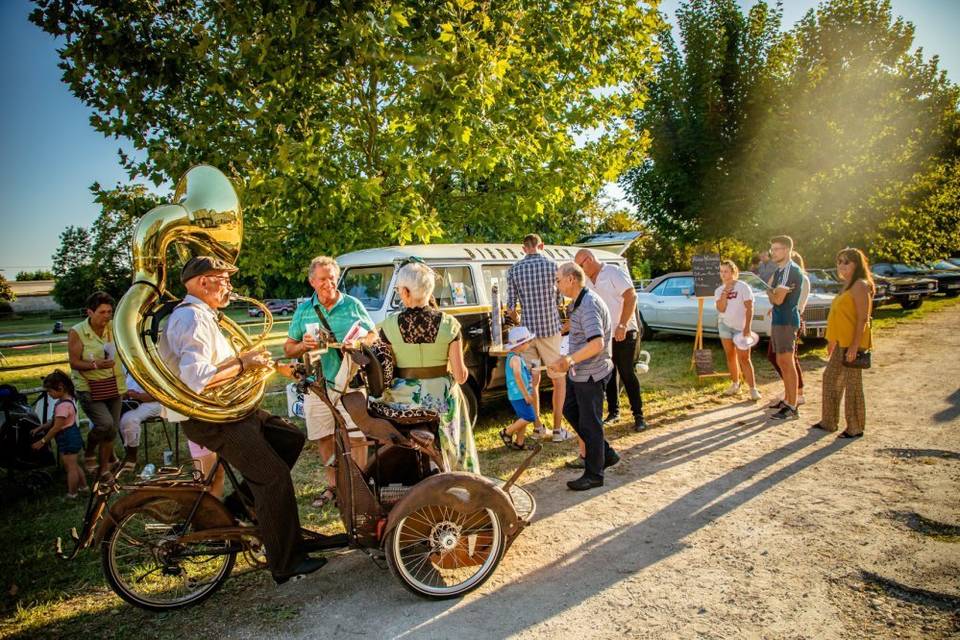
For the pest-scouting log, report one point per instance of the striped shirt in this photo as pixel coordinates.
(533, 283)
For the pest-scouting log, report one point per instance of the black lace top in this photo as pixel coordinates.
(418, 325)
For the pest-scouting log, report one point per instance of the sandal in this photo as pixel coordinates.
(850, 435)
(507, 439)
(820, 426)
(516, 446)
(327, 497)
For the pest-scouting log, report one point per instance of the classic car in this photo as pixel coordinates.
(879, 296)
(906, 285)
(667, 304)
(947, 276)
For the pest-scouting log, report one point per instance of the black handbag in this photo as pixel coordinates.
(862, 361)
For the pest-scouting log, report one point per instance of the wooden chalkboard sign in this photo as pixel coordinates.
(703, 361)
(706, 275)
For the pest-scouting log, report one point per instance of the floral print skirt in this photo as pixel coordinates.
(444, 396)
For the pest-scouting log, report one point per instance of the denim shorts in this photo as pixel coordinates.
(69, 441)
(725, 331)
(524, 410)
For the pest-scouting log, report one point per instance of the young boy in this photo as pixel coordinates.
(519, 388)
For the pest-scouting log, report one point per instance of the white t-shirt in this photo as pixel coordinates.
(735, 316)
(611, 284)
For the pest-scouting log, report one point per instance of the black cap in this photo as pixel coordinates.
(200, 265)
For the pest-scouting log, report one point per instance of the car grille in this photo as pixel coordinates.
(815, 314)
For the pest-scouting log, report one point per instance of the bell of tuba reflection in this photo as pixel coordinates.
(205, 219)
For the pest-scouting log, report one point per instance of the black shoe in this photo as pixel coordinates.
(639, 424)
(785, 413)
(584, 483)
(576, 463)
(613, 417)
(305, 567)
(612, 458)
(820, 426)
(846, 435)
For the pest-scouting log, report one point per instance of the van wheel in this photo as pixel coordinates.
(473, 403)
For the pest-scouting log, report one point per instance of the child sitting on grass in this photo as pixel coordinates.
(519, 388)
(63, 427)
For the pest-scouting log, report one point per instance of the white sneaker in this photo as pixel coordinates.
(559, 435)
(800, 400)
(732, 390)
(755, 394)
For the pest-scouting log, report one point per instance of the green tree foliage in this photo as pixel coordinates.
(6, 291)
(356, 124)
(847, 136)
(39, 274)
(98, 259)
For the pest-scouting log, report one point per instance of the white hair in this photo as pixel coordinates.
(324, 261)
(418, 279)
(572, 269)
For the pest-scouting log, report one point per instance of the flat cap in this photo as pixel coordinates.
(200, 265)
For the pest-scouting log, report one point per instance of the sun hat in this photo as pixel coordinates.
(517, 337)
(743, 342)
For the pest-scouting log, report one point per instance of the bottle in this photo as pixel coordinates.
(148, 470)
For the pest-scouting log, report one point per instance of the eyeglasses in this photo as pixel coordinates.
(224, 280)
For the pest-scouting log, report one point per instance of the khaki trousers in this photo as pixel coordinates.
(840, 382)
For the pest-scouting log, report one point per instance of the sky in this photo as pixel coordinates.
(50, 155)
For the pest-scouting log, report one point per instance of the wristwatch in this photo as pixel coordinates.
(621, 326)
(570, 361)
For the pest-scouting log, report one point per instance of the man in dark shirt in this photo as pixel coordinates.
(784, 295)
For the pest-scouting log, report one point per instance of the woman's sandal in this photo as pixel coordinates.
(850, 435)
(327, 497)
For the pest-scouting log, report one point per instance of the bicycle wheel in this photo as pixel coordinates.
(438, 552)
(146, 565)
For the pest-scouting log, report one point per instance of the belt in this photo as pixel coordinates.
(421, 372)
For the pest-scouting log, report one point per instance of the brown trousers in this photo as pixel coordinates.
(263, 448)
(840, 382)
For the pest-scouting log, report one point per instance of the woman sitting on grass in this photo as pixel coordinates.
(63, 427)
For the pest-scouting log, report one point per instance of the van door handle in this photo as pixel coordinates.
(476, 331)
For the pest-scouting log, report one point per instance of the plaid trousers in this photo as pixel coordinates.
(840, 382)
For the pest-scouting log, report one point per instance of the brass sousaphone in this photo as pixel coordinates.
(205, 219)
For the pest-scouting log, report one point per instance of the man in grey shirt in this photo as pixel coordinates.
(588, 367)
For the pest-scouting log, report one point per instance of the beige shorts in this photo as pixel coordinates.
(543, 352)
(320, 421)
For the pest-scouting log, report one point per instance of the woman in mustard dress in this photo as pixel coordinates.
(427, 346)
(848, 332)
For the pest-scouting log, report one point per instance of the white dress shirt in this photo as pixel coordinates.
(611, 284)
(192, 344)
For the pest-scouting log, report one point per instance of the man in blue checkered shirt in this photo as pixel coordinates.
(533, 283)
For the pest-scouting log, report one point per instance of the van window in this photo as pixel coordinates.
(453, 288)
(367, 284)
(498, 271)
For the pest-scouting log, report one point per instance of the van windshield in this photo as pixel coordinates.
(369, 285)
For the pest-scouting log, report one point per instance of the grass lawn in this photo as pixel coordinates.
(43, 596)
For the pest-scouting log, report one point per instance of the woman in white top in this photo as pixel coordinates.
(734, 300)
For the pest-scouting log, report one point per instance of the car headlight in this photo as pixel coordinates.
(881, 290)
(893, 287)
(931, 285)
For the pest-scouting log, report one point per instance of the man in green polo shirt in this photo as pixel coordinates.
(340, 312)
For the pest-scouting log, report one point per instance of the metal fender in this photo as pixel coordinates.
(466, 492)
(211, 512)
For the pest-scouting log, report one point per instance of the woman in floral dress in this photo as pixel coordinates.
(427, 347)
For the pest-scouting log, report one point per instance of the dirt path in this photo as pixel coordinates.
(719, 525)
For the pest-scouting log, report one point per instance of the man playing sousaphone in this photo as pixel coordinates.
(262, 447)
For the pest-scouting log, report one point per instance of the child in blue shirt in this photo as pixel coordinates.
(519, 388)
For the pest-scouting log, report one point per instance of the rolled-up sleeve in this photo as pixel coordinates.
(194, 355)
